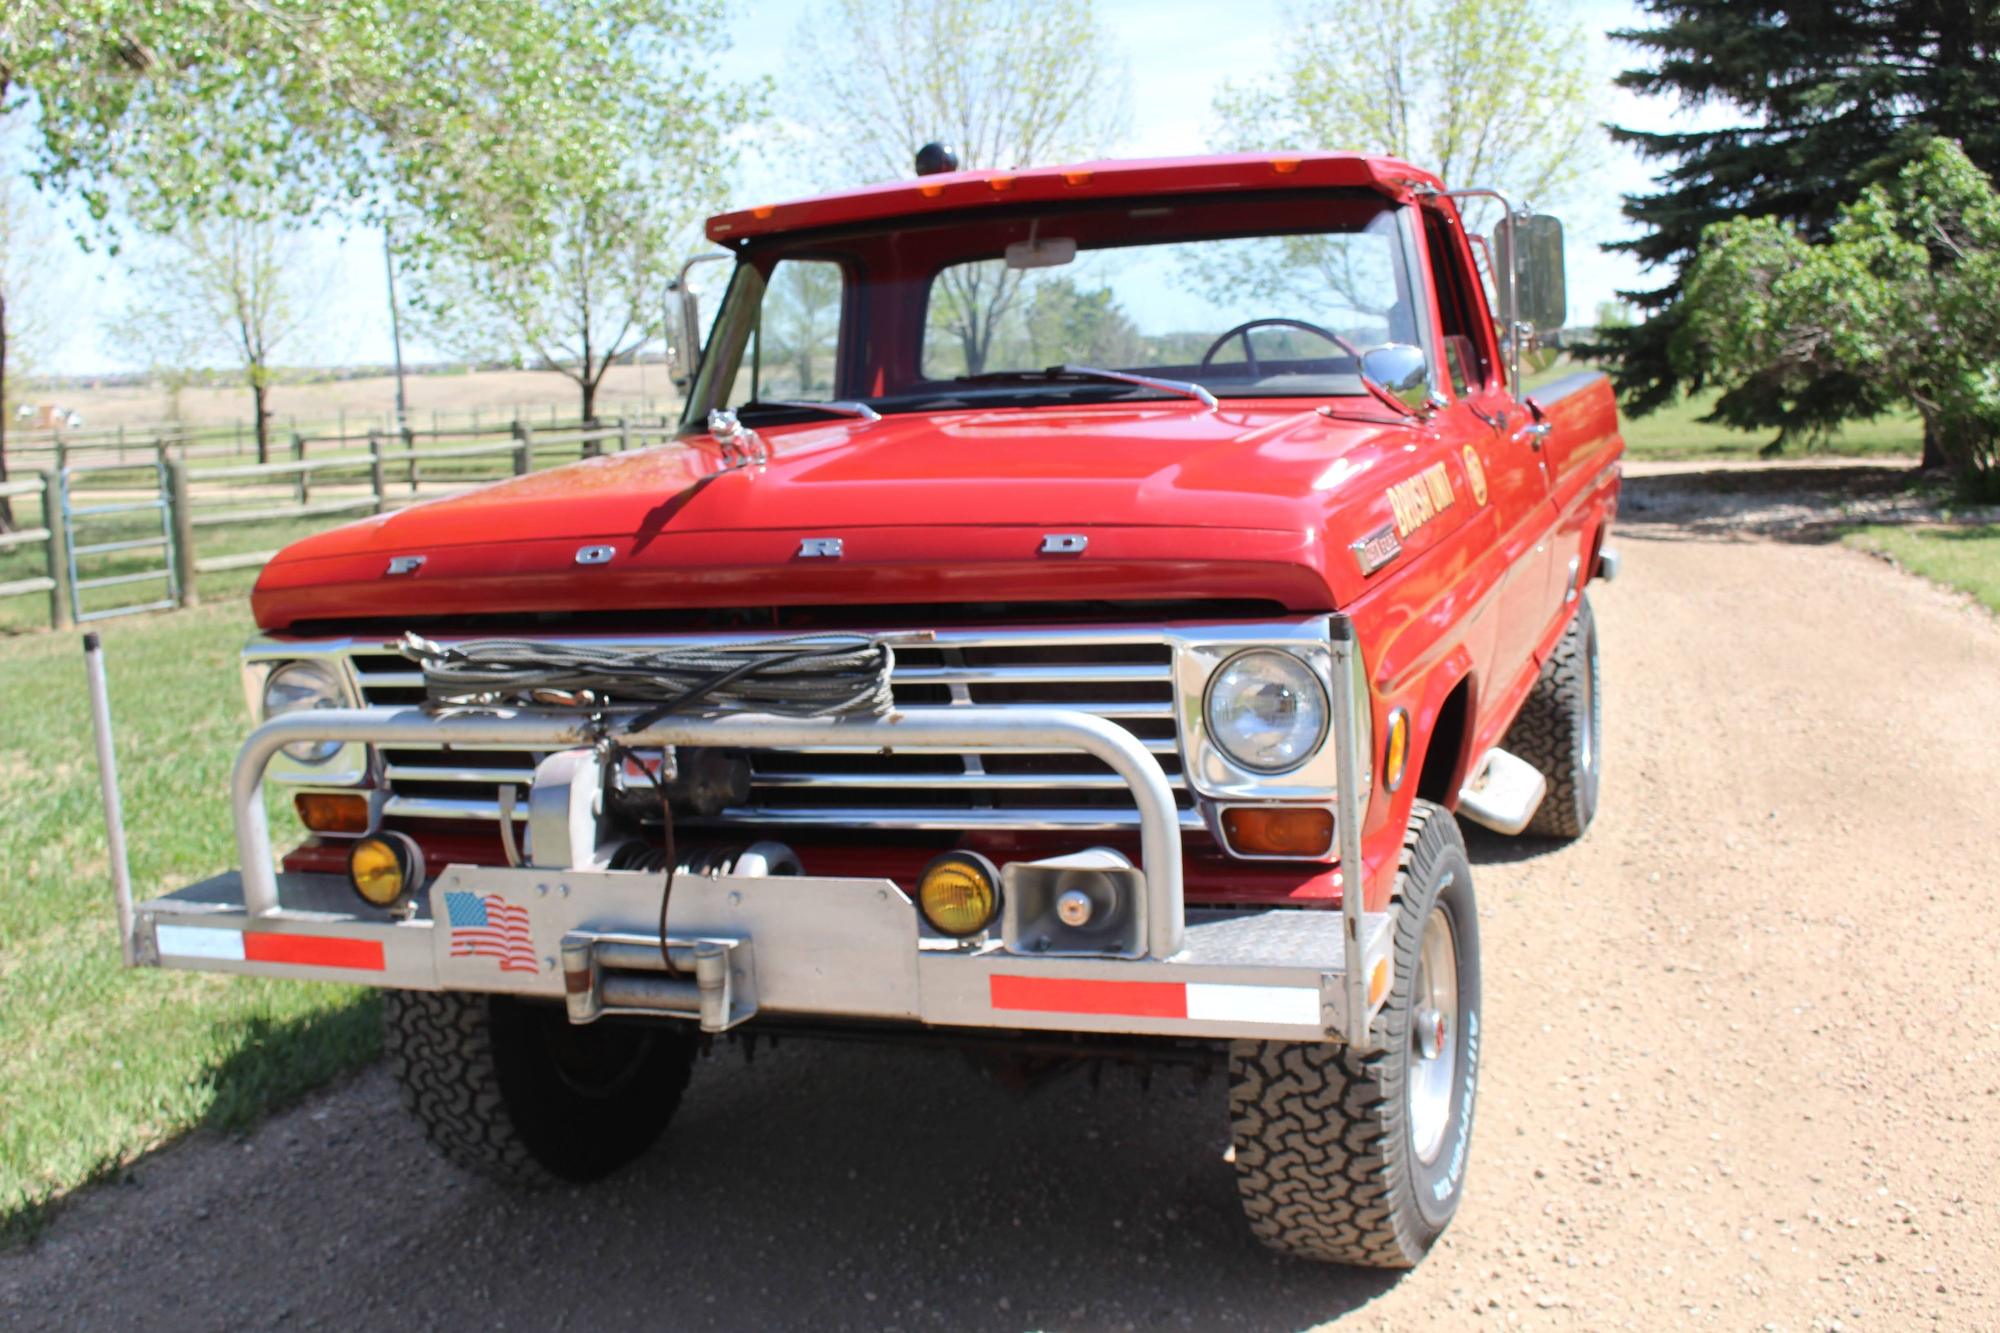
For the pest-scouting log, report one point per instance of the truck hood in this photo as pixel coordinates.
(1174, 502)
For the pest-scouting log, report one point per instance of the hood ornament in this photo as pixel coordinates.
(741, 446)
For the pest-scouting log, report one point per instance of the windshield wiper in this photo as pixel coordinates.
(1183, 388)
(837, 408)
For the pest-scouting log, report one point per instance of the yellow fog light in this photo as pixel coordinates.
(959, 893)
(386, 868)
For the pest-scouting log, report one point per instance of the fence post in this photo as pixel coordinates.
(409, 438)
(524, 444)
(180, 505)
(299, 456)
(56, 550)
(377, 480)
(624, 435)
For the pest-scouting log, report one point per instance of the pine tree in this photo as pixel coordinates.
(1833, 97)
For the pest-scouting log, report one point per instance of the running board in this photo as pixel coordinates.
(1504, 793)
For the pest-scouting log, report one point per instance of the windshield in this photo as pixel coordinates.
(1268, 296)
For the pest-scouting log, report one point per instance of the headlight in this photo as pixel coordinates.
(297, 685)
(1267, 710)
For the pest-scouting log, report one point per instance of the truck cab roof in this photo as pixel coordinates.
(958, 190)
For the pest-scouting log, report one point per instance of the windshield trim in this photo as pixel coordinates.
(731, 330)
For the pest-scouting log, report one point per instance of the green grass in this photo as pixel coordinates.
(99, 1064)
(1966, 558)
(1676, 433)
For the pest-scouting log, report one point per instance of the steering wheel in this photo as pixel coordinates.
(1244, 330)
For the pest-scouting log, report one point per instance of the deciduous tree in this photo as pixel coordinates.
(580, 280)
(232, 286)
(1896, 305)
(1003, 83)
(22, 307)
(1482, 92)
(523, 147)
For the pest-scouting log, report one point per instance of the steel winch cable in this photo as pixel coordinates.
(815, 675)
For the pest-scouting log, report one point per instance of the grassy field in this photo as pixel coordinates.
(1966, 558)
(98, 1064)
(1677, 433)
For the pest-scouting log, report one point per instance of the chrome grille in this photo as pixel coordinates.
(1124, 676)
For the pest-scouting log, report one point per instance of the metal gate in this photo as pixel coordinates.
(114, 515)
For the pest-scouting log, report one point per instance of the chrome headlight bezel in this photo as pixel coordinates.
(1212, 773)
(1290, 672)
(310, 684)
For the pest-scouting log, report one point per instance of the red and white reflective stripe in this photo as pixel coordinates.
(269, 946)
(1296, 1006)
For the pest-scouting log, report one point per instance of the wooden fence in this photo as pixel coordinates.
(370, 474)
(54, 581)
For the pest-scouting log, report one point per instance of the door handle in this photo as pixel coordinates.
(1534, 433)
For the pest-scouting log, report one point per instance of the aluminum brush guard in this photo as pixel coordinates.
(819, 946)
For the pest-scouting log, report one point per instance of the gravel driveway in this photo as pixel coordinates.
(1743, 1071)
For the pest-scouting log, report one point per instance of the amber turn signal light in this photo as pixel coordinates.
(1279, 830)
(332, 811)
(959, 893)
(1396, 752)
(386, 869)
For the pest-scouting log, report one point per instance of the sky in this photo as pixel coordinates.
(1178, 57)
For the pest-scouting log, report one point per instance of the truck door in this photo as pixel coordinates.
(1486, 419)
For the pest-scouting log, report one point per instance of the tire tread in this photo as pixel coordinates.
(1313, 1123)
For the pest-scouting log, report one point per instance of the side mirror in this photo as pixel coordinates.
(684, 347)
(1398, 375)
(684, 327)
(1532, 244)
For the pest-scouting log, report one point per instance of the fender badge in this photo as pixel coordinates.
(1475, 472)
(819, 548)
(594, 555)
(1376, 549)
(1064, 543)
(406, 564)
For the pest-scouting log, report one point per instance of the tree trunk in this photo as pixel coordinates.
(259, 393)
(588, 382)
(6, 505)
(1935, 458)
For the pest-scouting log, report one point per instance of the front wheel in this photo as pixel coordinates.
(512, 1090)
(1360, 1159)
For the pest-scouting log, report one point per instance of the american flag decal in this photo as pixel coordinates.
(488, 926)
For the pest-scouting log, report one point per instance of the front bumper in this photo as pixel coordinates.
(805, 947)
(824, 947)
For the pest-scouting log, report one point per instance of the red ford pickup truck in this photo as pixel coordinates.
(1076, 614)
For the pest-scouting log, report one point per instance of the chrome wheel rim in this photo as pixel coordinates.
(1433, 1037)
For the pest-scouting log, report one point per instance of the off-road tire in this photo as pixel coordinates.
(509, 1089)
(1560, 730)
(1325, 1161)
